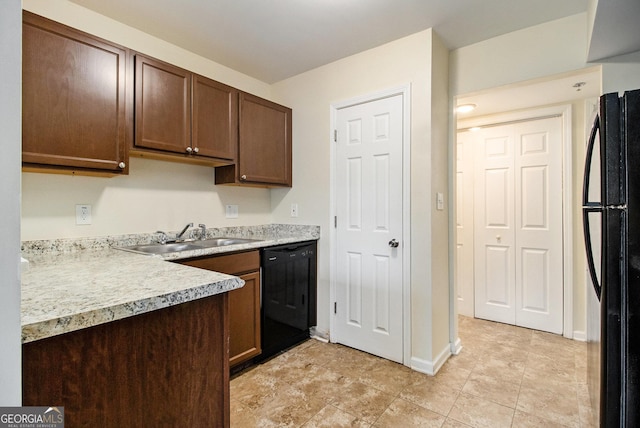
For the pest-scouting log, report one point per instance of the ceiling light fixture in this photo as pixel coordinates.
(579, 86)
(465, 108)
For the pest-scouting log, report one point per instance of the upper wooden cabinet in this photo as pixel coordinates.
(76, 107)
(264, 147)
(179, 112)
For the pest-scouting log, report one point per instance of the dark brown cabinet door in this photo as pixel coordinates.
(264, 145)
(244, 320)
(75, 105)
(244, 303)
(214, 118)
(163, 106)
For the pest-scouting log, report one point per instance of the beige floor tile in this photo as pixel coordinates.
(288, 408)
(501, 369)
(452, 423)
(387, 376)
(332, 417)
(525, 420)
(554, 400)
(431, 395)
(402, 413)
(241, 416)
(363, 401)
(493, 389)
(545, 367)
(480, 413)
(452, 376)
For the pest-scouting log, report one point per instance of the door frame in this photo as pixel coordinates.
(405, 91)
(563, 111)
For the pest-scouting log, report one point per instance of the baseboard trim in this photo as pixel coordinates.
(580, 336)
(320, 335)
(431, 367)
(456, 347)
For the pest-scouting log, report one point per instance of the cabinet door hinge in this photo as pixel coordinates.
(335, 135)
(335, 307)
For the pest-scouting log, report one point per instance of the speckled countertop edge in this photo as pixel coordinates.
(78, 283)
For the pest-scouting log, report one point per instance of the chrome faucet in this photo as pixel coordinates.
(203, 231)
(182, 232)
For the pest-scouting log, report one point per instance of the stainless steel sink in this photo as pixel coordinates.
(162, 248)
(221, 242)
(174, 247)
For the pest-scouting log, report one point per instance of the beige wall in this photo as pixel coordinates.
(155, 195)
(407, 60)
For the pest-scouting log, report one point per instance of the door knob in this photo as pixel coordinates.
(393, 243)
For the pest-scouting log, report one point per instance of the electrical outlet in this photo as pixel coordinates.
(439, 201)
(231, 211)
(294, 210)
(83, 214)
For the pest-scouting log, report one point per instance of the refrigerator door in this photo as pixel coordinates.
(631, 292)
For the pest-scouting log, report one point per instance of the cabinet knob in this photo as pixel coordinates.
(189, 149)
(196, 150)
(243, 177)
(122, 165)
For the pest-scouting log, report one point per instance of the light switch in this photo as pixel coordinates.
(439, 201)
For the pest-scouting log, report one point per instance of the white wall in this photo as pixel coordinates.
(407, 60)
(155, 195)
(10, 137)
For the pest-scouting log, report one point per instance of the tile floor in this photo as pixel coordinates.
(505, 376)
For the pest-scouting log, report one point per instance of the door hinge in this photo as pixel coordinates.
(335, 135)
(335, 307)
(335, 221)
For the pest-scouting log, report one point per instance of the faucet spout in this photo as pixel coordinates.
(182, 232)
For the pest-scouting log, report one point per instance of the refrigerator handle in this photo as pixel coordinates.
(588, 207)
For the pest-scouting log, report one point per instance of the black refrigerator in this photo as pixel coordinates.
(611, 220)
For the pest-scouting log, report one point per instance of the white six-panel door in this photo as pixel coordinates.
(464, 223)
(368, 176)
(518, 224)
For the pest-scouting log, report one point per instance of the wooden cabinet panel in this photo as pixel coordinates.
(264, 145)
(163, 103)
(163, 368)
(76, 108)
(244, 320)
(215, 118)
(244, 303)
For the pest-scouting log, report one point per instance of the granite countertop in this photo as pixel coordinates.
(72, 284)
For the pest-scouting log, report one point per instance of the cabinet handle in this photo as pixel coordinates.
(243, 177)
(196, 150)
(122, 165)
(189, 150)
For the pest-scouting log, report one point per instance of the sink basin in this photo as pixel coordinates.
(174, 247)
(162, 248)
(221, 242)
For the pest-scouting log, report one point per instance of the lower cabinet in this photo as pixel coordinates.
(165, 368)
(244, 303)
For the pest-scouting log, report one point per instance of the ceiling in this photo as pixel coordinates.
(275, 39)
(551, 90)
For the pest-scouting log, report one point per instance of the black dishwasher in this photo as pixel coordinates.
(288, 295)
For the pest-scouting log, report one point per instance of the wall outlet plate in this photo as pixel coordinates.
(231, 211)
(294, 210)
(83, 214)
